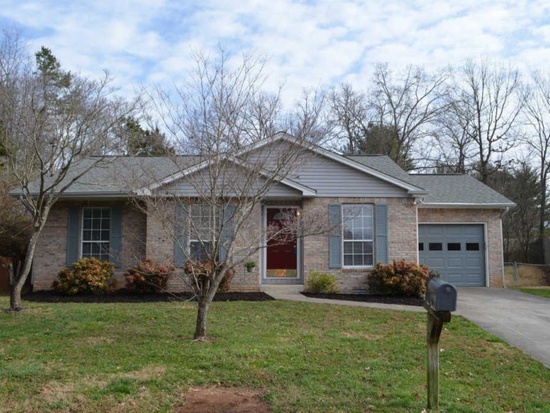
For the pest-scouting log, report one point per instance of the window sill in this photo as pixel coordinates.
(357, 269)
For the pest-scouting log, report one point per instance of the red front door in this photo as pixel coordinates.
(282, 252)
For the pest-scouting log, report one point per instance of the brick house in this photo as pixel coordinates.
(452, 223)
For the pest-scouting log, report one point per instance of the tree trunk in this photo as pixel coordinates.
(204, 300)
(200, 329)
(20, 278)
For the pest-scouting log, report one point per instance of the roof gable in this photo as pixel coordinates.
(394, 179)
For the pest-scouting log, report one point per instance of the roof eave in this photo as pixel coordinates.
(466, 205)
(81, 195)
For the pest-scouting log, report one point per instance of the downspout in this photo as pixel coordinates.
(502, 250)
(416, 201)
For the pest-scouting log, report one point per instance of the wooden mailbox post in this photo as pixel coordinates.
(440, 301)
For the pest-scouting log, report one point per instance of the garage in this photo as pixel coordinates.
(456, 251)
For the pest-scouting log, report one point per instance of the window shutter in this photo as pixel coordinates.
(227, 230)
(115, 241)
(73, 235)
(381, 228)
(335, 236)
(181, 232)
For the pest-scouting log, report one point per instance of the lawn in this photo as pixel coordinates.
(302, 357)
(540, 291)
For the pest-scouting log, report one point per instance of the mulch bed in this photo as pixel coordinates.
(124, 296)
(370, 298)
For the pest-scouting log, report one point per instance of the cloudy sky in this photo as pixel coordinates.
(308, 43)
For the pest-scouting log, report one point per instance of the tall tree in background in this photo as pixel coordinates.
(536, 110)
(50, 118)
(14, 224)
(482, 115)
(407, 103)
(138, 141)
(351, 114)
(383, 139)
(520, 184)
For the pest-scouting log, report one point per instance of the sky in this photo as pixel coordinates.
(308, 43)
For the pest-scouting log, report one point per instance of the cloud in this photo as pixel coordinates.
(308, 43)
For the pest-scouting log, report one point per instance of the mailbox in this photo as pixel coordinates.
(440, 295)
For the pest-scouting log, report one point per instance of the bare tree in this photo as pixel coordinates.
(408, 103)
(230, 158)
(49, 119)
(482, 115)
(536, 110)
(351, 113)
(519, 183)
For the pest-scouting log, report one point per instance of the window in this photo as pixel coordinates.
(358, 235)
(96, 233)
(202, 232)
(435, 246)
(472, 246)
(453, 246)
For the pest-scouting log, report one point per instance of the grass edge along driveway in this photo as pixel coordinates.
(302, 357)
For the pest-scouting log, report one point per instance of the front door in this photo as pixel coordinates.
(282, 250)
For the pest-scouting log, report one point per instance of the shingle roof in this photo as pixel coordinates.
(118, 175)
(384, 164)
(459, 190)
(443, 190)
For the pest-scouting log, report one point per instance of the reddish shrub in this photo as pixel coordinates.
(399, 278)
(202, 272)
(148, 277)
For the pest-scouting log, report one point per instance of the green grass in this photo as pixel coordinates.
(540, 291)
(302, 357)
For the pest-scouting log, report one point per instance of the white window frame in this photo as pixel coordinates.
(104, 244)
(194, 230)
(362, 240)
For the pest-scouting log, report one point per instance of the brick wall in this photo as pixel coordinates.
(50, 256)
(402, 239)
(489, 217)
(160, 246)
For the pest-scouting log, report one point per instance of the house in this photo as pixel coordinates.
(452, 223)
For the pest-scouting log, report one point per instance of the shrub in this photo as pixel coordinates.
(148, 277)
(321, 283)
(86, 276)
(202, 271)
(399, 278)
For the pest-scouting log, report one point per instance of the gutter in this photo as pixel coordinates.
(470, 205)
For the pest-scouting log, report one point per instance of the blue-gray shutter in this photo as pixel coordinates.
(381, 228)
(335, 237)
(115, 242)
(181, 228)
(73, 235)
(227, 230)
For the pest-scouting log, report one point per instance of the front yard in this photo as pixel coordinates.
(138, 357)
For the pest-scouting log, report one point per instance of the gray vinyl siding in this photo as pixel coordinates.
(328, 177)
(185, 189)
(332, 179)
(283, 191)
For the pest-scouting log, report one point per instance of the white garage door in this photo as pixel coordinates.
(456, 251)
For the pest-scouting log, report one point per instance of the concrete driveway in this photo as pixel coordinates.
(520, 319)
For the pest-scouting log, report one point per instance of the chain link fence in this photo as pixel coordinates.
(517, 274)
